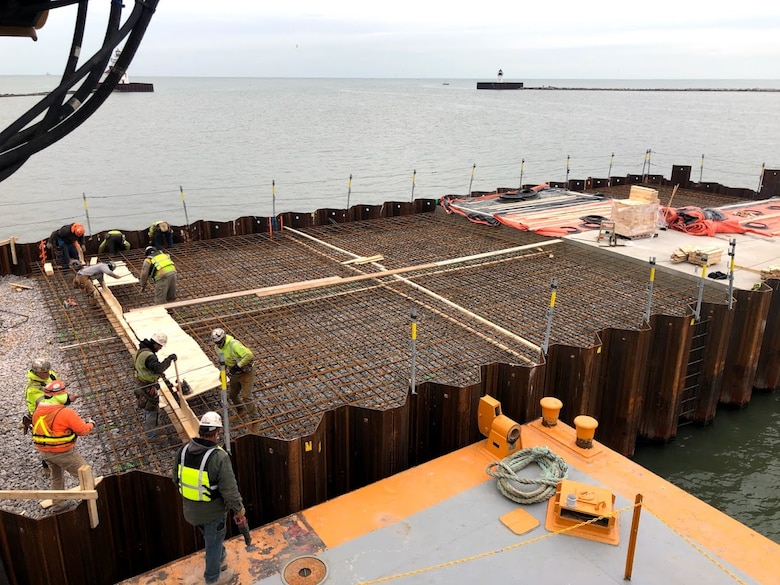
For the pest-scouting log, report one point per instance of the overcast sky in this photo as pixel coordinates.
(544, 39)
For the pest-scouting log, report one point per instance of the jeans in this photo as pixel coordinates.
(161, 236)
(150, 423)
(214, 537)
(69, 253)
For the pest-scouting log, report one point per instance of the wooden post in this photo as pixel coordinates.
(632, 537)
(87, 483)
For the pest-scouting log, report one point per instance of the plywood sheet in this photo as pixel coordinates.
(123, 271)
(194, 365)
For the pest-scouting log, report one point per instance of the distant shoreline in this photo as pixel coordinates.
(743, 89)
(557, 88)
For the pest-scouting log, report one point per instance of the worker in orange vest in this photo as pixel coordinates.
(54, 431)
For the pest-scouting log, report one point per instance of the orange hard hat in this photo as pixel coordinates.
(54, 387)
(77, 229)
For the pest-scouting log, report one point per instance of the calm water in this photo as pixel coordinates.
(224, 141)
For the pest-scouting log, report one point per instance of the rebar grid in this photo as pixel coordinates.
(349, 343)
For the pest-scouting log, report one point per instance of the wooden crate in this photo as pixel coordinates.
(643, 194)
(634, 219)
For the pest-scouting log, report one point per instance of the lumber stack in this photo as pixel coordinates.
(637, 216)
(700, 256)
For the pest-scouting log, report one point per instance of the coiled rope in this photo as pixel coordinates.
(554, 469)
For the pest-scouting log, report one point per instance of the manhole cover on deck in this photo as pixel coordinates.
(304, 571)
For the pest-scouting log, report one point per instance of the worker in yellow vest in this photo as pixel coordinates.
(159, 269)
(205, 479)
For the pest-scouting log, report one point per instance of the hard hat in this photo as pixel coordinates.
(150, 250)
(77, 229)
(53, 388)
(163, 225)
(111, 266)
(210, 422)
(159, 338)
(40, 365)
(218, 335)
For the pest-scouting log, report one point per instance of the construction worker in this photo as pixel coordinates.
(64, 244)
(204, 476)
(38, 376)
(160, 233)
(148, 370)
(114, 243)
(85, 275)
(239, 362)
(54, 431)
(159, 268)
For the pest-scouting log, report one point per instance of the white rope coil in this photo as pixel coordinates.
(554, 469)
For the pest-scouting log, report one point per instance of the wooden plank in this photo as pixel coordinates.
(125, 276)
(69, 494)
(19, 286)
(48, 270)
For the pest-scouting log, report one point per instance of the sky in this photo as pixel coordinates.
(544, 39)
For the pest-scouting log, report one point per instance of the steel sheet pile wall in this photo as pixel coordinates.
(333, 368)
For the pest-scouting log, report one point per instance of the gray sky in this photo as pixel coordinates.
(546, 39)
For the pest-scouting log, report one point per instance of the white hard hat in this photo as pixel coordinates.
(40, 365)
(210, 422)
(159, 338)
(218, 335)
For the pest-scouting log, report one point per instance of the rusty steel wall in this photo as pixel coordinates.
(666, 368)
(333, 368)
(768, 369)
(747, 331)
(621, 381)
(572, 375)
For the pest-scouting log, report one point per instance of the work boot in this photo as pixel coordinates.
(225, 577)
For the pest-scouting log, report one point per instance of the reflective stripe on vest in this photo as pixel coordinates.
(194, 483)
(161, 265)
(41, 432)
(141, 371)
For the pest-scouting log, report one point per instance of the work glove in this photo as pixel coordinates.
(26, 423)
(234, 370)
(173, 357)
(240, 517)
(89, 421)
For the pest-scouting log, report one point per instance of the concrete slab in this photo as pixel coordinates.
(752, 253)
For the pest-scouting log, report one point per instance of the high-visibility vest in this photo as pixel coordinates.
(41, 431)
(141, 371)
(194, 482)
(233, 352)
(161, 264)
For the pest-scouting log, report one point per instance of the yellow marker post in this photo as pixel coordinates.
(650, 290)
(550, 310)
(412, 379)
(223, 396)
(86, 212)
(184, 205)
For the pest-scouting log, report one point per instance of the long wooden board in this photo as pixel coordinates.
(194, 365)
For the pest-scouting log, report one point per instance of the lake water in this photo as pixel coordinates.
(225, 142)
